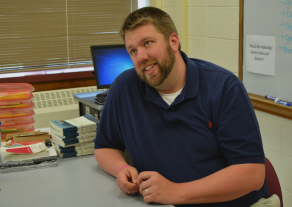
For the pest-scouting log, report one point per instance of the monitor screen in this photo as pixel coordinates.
(108, 62)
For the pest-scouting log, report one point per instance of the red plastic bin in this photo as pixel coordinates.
(15, 91)
(27, 128)
(17, 103)
(10, 122)
(13, 113)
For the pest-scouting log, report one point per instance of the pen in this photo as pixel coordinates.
(271, 97)
(282, 102)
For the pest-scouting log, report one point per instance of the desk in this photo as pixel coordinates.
(87, 104)
(76, 182)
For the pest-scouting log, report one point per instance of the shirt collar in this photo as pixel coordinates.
(190, 89)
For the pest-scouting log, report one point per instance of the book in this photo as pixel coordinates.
(83, 123)
(78, 134)
(76, 142)
(80, 138)
(62, 126)
(70, 143)
(10, 136)
(21, 152)
(75, 150)
(11, 142)
(81, 146)
(49, 154)
(31, 137)
(63, 134)
(74, 154)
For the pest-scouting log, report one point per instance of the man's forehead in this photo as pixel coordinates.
(140, 34)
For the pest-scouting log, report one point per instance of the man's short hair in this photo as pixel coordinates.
(160, 19)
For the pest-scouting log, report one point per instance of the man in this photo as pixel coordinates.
(187, 124)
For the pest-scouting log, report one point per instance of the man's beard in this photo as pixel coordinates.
(163, 70)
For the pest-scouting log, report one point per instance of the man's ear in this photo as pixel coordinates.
(174, 42)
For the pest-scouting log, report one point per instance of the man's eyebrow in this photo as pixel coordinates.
(142, 40)
(128, 47)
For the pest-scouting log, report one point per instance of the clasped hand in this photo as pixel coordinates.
(153, 186)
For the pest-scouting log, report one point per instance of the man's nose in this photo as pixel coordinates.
(142, 55)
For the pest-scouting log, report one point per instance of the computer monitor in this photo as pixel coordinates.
(109, 61)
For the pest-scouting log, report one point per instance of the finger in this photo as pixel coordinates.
(125, 184)
(127, 191)
(133, 174)
(134, 191)
(144, 176)
(146, 192)
(145, 184)
(130, 192)
(149, 199)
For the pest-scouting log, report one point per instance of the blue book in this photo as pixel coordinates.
(67, 127)
(63, 126)
(62, 136)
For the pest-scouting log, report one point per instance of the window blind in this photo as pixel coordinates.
(52, 34)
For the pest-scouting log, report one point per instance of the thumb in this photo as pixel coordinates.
(133, 174)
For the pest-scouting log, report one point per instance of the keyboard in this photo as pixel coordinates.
(100, 100)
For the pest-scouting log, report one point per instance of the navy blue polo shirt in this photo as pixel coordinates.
(208, 127)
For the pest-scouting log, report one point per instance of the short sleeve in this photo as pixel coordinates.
(238, 130)
(109, 131)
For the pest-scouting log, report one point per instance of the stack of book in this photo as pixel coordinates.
(27, 157)
(74, 137)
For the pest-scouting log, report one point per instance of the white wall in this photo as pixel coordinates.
(212, 35)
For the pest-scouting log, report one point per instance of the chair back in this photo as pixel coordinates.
(273, 181)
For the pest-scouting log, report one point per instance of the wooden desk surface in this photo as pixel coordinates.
(76, 182)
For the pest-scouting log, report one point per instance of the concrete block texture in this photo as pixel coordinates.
(223, 23)
(276, 136)
(170, 11)
(197, 3)
(286, 175)
(197, 22)
(223, 3)
(286, 138)
(166, 3)
(223, 53)
(197, 47)
(287, 198)
(271, 128)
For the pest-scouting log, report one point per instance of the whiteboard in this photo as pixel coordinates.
(269, 18)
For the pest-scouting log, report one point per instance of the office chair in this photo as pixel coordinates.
(273, 181)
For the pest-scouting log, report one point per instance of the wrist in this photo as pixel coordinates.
(124, 167)
(180, 194)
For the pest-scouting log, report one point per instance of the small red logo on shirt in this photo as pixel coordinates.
(210, 124)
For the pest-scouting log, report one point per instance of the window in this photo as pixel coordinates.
(52, 34)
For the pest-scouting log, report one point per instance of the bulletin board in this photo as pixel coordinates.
(265, 53)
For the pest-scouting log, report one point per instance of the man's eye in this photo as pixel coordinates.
(133, 52)
(147, 43)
